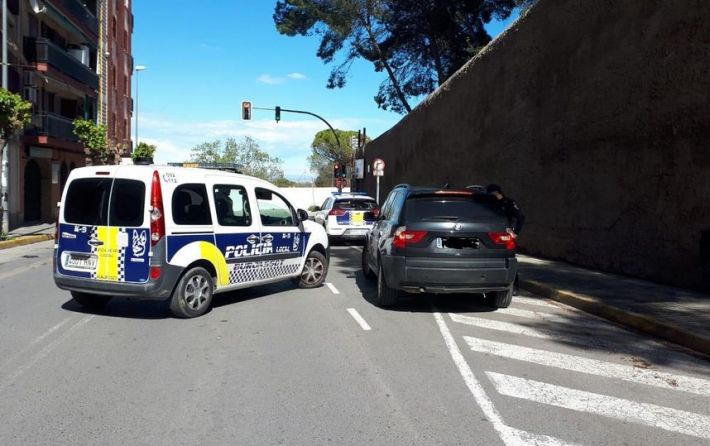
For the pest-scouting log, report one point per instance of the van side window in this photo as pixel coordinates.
(232, 205)
(190, 205)
(274, 210)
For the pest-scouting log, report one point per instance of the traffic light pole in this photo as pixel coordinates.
(302, 112)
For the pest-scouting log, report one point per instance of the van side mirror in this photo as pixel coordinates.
(302, 215)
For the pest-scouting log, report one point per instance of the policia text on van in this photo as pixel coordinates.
(180, 234)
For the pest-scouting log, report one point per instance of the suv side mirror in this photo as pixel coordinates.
(302, 215)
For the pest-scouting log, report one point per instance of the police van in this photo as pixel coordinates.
(180, 234)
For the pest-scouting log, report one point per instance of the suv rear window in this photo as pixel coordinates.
(445, 208)
(87, 202)
(358, 205)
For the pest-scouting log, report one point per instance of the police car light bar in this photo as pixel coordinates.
(229, 167)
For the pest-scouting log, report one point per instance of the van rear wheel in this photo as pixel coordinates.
(192, 296)
(89, 300)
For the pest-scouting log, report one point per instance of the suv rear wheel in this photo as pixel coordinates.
(192, 296)
(386, 296)
(500, 299)
(89, 300)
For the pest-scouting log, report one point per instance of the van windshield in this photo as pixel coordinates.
(87, 202)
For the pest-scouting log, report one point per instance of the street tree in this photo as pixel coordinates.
(98, 148)
(15, 114)
(418, 43)
(246, 153)
(325, 151)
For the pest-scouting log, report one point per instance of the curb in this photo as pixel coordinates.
(631, 319)
(25, 240)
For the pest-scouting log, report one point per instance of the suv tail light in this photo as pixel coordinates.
(402, 237)
(157, 216)
(337, 212)
(502, 238)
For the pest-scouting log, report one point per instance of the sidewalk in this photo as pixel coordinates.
(674, 314)
(28, 234)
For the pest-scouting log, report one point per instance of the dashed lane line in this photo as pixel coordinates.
(332, 288)
(359, 319)
(666, 418)
(37, 340)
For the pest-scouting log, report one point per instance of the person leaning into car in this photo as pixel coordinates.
(510, 208)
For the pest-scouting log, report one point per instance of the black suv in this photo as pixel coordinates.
(429, 240)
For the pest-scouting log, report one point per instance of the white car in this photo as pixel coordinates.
(181, 234)
(348, 216)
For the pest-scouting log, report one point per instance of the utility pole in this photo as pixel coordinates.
(4, 180)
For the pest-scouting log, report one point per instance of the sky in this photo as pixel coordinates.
(203, 61)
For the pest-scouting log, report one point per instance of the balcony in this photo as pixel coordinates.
(53, 126)
(41, 50)
(78, 13)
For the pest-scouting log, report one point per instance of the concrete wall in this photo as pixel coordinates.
(595, 117)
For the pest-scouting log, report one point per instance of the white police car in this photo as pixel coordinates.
(181, 234)
(348, 216)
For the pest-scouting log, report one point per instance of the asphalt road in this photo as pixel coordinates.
(279, 365)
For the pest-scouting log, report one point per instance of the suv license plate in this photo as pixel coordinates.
(81, 262)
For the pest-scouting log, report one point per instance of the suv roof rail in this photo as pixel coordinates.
(401, 185)
(229, 167)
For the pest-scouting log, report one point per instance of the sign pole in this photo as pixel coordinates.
(378, 189)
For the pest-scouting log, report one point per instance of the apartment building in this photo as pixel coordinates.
(63, 58)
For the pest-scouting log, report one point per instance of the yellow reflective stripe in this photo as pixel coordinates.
(108, 253)
(210, 252)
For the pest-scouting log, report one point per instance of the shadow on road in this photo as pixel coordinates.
(565, 326)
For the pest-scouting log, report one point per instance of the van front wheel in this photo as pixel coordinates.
(314, 271)
(89, 300)
(192, 296)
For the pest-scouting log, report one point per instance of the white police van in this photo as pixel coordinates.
(348, 215)
(179, 233)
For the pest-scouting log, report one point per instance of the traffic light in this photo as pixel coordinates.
(336, 169)
(277, 115)
(246, 110)
(344, 170)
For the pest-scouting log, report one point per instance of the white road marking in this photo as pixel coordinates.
(533, 301)
(332, 288)
(500, 326)
(665, 418)
(590, 322)
(36, 341)
(9, 379)
(509, 435)
(591, 366)
(359, 319)
(25, 268)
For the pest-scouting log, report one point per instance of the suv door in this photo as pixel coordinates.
(384, 226)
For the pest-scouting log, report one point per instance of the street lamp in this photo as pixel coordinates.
(137, 69)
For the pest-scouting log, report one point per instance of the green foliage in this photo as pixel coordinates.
(313, 208)
(143, 150)
(15, 113)
(93, 138)
(418, 43)
(246, 153)
(325, 151)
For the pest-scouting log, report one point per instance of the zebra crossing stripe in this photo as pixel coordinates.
(509, 435)
(666, 418)
(591, 366)
(500, 326)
